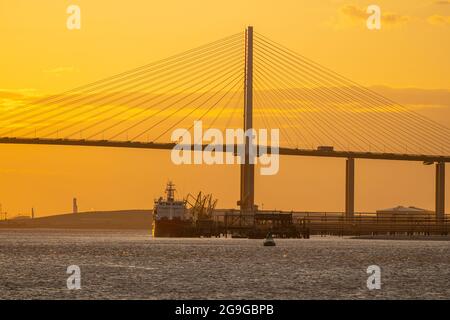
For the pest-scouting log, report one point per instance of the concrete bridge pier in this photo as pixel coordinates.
(350, 188)
(440, 191)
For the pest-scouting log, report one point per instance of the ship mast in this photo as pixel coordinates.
(170, 192)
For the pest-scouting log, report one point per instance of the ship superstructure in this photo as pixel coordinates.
(171, 218)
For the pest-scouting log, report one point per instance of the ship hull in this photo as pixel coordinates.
(172, 228)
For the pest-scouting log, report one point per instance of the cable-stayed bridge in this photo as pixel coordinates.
(247, 81)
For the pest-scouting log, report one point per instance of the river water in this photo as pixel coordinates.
(132, 265)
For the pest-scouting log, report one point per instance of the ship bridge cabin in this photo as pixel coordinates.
(169, 208)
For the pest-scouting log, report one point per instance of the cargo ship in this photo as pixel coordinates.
(197, 216)
(171, 217)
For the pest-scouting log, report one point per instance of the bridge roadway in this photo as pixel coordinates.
(282, 151)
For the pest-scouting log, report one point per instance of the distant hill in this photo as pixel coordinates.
(123, 219)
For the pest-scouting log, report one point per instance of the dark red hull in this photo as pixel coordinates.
(173, 228)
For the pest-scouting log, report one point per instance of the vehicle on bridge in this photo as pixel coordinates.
(325, 148)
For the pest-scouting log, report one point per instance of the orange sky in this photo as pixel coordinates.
(40, 56)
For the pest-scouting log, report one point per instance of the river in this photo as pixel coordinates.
(132, 265)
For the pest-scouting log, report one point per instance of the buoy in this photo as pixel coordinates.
(268, 241)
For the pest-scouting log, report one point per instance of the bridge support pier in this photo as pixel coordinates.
(350, 188)
(440, 191)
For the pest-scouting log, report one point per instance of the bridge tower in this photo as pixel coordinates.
(248, 169)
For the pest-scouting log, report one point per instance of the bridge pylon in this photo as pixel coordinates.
(247, 199)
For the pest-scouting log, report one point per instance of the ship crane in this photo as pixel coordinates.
(202, 206)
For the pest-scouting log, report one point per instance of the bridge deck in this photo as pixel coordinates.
(282, 151)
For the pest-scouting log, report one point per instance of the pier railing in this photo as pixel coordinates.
(372, 224)
(303, 224)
